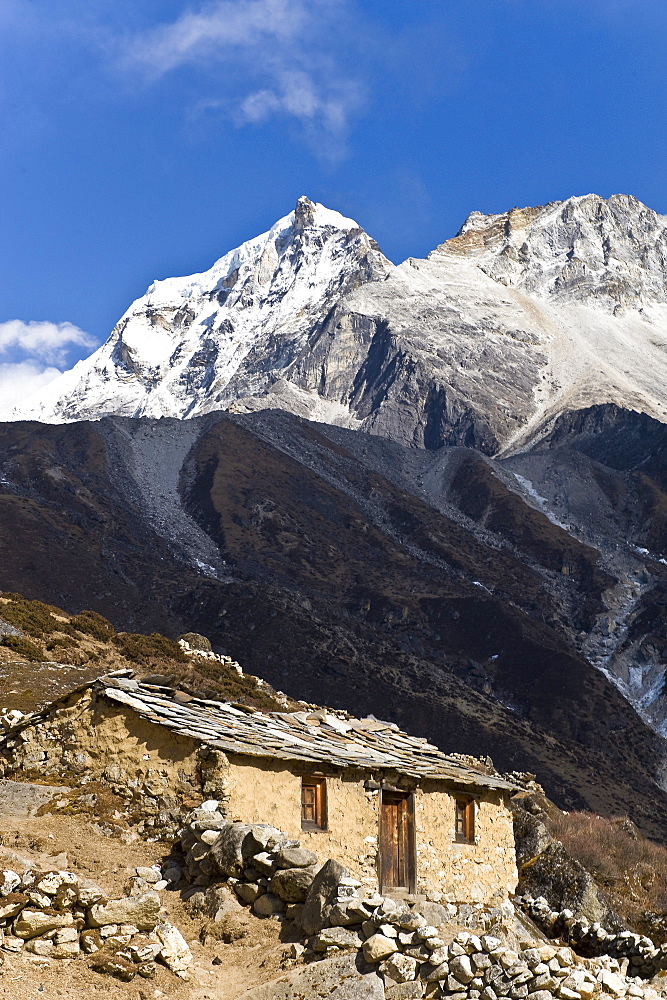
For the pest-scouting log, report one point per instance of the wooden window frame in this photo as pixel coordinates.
(320, 819)
(464, 819)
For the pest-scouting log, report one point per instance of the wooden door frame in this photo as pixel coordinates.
(411, 860)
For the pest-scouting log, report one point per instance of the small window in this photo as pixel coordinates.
(465, 821)
(313, 804)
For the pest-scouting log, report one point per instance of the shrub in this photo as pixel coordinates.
(93, 624)
(143, 648)
(23, 647)
(33, 617)
(632, 869)
(61, 642)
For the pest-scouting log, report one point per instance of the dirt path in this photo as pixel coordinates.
(241, 952)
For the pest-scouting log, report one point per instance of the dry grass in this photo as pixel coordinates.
(146, 649)
(631, 870)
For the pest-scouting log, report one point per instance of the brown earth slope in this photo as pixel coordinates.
(342, 584)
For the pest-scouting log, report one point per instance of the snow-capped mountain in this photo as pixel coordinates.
(195, 344)
(518, 318)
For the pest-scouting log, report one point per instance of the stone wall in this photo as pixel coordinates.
(483, 872)
(159, 775)
(417, 947)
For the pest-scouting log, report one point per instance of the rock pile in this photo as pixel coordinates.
(57, 914)
(408, 943)
(642, 956)
(274, 874)
(482, 968)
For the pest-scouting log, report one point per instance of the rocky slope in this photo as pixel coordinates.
(430, 588)
(504, 327)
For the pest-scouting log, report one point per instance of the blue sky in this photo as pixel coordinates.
(142, 140)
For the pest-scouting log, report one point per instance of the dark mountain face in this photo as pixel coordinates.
(431, 588)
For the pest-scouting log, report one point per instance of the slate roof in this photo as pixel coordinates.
(314, 737)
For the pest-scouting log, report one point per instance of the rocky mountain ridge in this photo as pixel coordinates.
(517, 319)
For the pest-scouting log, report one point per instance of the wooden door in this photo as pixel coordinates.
(397, 854)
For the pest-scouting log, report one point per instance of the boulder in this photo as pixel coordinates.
(336, 937)
(150, 875)
(408, 921)
(461, 968)
(611, 983)
(295, 857)
(400, 968)
(9, 880)
(110, 964)
(321, 896)
(403, 991)
(377, 947)
(227, 851)
(174, 951)
(143, 948)
(248, 892)
(436, 973)
(91, 941)
(34, 923)
(23, 798)
(264, 837)
(12, 904)
(267, 905)
(197, 642)
(90, 893)
(40, 946)
(547, 869)
(292, 884)
(351, 911)
(142, 911)
(52, 882)
(341, 978)
(433, 913)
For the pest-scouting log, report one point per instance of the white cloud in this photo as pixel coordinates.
(269, 57)
(33, 354)
(18, 380)
(43, 341)
(219, 28)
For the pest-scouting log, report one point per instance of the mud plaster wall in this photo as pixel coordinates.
(483, 872)
(268, 792)
(90, 739)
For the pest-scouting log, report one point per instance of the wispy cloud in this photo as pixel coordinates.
(33, 354)
(42, 341)
(20, 379)
(264, 58)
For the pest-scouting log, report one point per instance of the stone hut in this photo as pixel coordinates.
(399, 814)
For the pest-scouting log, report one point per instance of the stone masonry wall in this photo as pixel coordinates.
(483, 872)
(158, 774)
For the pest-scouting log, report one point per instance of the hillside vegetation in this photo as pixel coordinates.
(56, 651)
(630, 869)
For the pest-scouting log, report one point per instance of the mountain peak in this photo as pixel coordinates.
(519, 316)
(609, 252)
(181, 348)
(309, 213)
